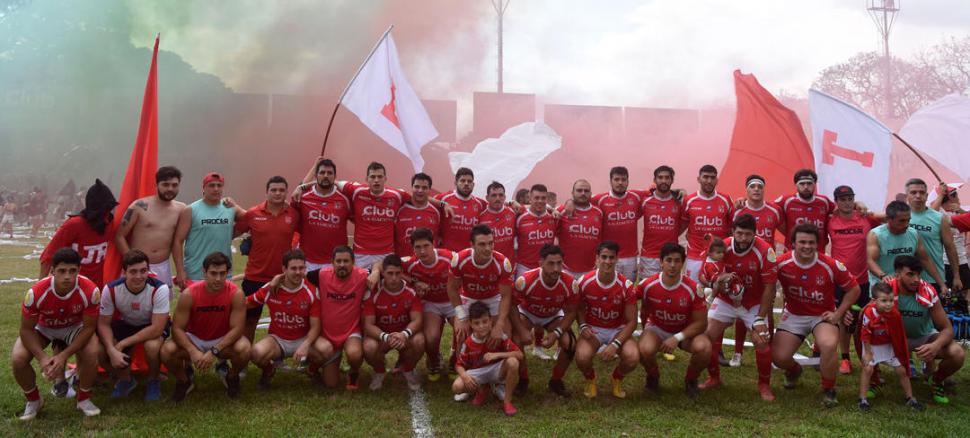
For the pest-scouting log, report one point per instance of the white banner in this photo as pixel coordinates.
(508, 159)
(851, 148)
(942, 131)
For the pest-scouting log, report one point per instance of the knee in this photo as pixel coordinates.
(90, 351)
(512, 363)
(242, 347)
(152, 347)
(702, 345)
(417, 343)
(458, 386)
(957, 353)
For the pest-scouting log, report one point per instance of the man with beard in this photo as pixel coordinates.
(87, 232)
(704, 212)
(419, 213)
(467, 207)
(204, 227)
(805, 206)
(149, 223)
(621, 210)
(580, 232)
(501, 219)
(661, 221)
(324, 212)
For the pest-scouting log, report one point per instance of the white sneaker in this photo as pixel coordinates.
(414, 382)
(735, 360)
(541, 353)
(462, 397)
(498, 390)
(88, 408)
(377, 381)
(32, 409)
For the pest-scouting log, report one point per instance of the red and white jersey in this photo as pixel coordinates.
(710, 270)
(705, 216)
(848, 237)
(473, 350)
(874, 329)
(767, 217)
(77, 234)
(340, 303)
(799, 211)
(810, 289)
(323, 223)
(661, 223)
(290, 310)
(540, 299)
(410, 218)
(374, 217)
(579, 235)
(532, 232)
(456, 230)
(502, 223)
(435, 275)
(392, 310)
(61, 311)
(605, 303)
(669, 308)
(620, 216)
(481, 282)
(755, 268)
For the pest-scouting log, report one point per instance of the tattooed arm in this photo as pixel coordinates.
(128, 222)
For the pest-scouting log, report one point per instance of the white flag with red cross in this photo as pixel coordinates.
(381, 97)
(851, 148)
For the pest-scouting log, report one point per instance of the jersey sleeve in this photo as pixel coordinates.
(64, 236)
(961, 222)
(518, 292)
(508, 345)
(405, 195)
(455, 271)
(769, 270)
(865, 328)
(684, 212)
(369, 309)
(258, 298)
(107, 306)
(242, 225)
(699, 303)
(29, 307)
(160, 302)
(94, 303)
(843, 278)
(629, 293)
(505, 277)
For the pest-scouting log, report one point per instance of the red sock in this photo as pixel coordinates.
(558, 372)
(654, 371)
(828, 383)
(83, 394)
(740, 334)
(407, 366)
(523, 371)
(938, 377)
(617, 374)
(434, 358)
(33, 394)
(590, 375)
(763, 360)
(795, 368)
(380, 369)
(692, 374)
(714, 369)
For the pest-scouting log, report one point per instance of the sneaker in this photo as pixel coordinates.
(434, 374)
(766, 394)
(182, 389)
(845, 366)
(874, 391)
(462, 397)
(233, 387)
(618, 391)
(590, 390)
(828, 398)
(915, 405)
(265, 378)
(88, 408)
(735, 360)
(153, 390)
(452, 374)
(541, 354)
(123, 388)
(690, 387)
(791, 378)
(669, 357)
(498, 390)
(711, 383)
(32, 409)
(222, 370)
(509, 409)
(521, 388)
(559, 388)
(723, 360)
(939, 394)
(352, 381)
(864, 405)
(653, 383)
(414, 382)
(60, 388)
(481, 395)
(377, 381)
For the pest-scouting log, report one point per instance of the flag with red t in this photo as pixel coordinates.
(768, 140)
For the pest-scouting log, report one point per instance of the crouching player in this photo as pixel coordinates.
(674, 314)
(294, 326)
(428, 271)
(392, 321)
(480, 366)
(884, 341)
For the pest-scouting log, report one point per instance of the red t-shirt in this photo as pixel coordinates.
(61, 311)
(502, 223)
(620, 215)
(874, 328)
(605, 303)
(77, 234)
(755, 268)
(705, 216)
(456, 230)
(669, 308)
(481, 282)
(472, 353)
(541, 300)
(374, 217)
(579, 235)
(323, 223)
(210, 314)
(435, 276)
(410, 218)
(767, 218)
(661, 224)
(810, 290)
(271, 236)
(532, 232)
(849, 242)
(340, 303)
(799, 211)
(392, 311)
(289, 310)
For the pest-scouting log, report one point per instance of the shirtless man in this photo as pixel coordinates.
(151, 223)
(6, 216)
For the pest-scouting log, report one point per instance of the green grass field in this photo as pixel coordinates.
(294, 407)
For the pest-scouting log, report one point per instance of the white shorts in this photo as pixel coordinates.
(694, 268)
(492, 302)
(488, 374)
(541, 322)
(366, 261)
(725, 312)
(798, 325)
(163, 272)
(444, 310)
(605, 335)
(203, 346)
(287, 347)
(661, 333)
(65, 335)
(520, 269)
(648, 267)
(914, 343)
(310, 266)
(628, 267)
(883, 354)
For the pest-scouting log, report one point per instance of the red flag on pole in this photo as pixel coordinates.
(768, 140)
(140, 177)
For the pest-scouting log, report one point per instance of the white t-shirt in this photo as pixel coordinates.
(135, 309)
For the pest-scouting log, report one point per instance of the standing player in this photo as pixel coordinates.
(428, 271)
(580, 232)
(661, 221)
(621, 211)
(204, 227)
(467, 207)
(534, 229)
(481, 274)
(419, 213)
(934, 229)
(545, 301)
(808, 279)
(151, 222)
(324, 212)
(893, 239)
(767, 215)
(87, 232)
(673, 315)
(805, 207)
(607, 315)
(501, 219)
(704, 212)
(374, 209)
(60, 309)
(392, 321)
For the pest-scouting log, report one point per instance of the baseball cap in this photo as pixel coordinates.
(841, 191)
(212, 176)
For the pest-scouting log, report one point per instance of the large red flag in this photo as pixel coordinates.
(768, 140)
(140, 177)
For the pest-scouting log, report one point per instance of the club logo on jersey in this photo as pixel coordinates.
(839, 265)
(820, 280)
(520, 284)
(507, 266)
(96, 296)
(771, 255)
(454, 260)
(29, 298)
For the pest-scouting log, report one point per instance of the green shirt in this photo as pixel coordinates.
(211, 231)
(916, 318)
(927, 224)
(893, 245)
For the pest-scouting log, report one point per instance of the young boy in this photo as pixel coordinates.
(883, 341)
(480, 366)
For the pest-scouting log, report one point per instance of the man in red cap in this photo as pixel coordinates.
(204, 227)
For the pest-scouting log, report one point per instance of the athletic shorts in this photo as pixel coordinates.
(444, 310)
(663, 334)
(492, 302)
(605, 335)
(883, 354)
(725, 312)
(628, 267)
(203, 345)
(287, 347)
(339, 346)
(366, 261)
(540, 321)
(914, 343)
(520, 269)
(121, 330)
(648, 267)
(250, 287)
(310, 266)
(488, 374)
(799, 325)
(694, 268)
(163, 272)
(64, 335)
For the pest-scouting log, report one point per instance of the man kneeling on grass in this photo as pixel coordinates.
(480, 366)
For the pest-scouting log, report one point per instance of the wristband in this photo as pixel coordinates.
(557, 332)
(583, 326)
(461, 312)
(384, 337)
(757, 321)
(407, 333)
(679, 336)
(616, 343)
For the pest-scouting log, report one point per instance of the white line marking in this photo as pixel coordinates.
(420, 416)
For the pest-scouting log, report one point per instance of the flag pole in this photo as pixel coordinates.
(326, 136)
(913, 150)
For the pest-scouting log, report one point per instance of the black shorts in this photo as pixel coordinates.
(862, 301)
(964, 276)
(121, 330)
(959, 302)
(250, 287)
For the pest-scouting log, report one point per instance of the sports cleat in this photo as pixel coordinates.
(669, 357)
(123, 388)
(618, 391)
(414, 382)
(828, 398)
(791, 378)
(711, 383)
(845, 366)
(233, 387)
(222, 370)
(690, 387)
(462, 397)
(723, 360)
(590, 390)
(33, 408)
(915, 405)
(352, 381)
(265, 378)
(182, 389)
(88, 408)
(735, 360)
(766, 394)
(377, 381)
(60, 388)
(434, 374)
(653, 383)
(481, 395)
(559, 388)
(874, 390)
(521, 388)
(498, 390)
(509, 409)
(153, 390)
(864, 405)
(939, 394)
